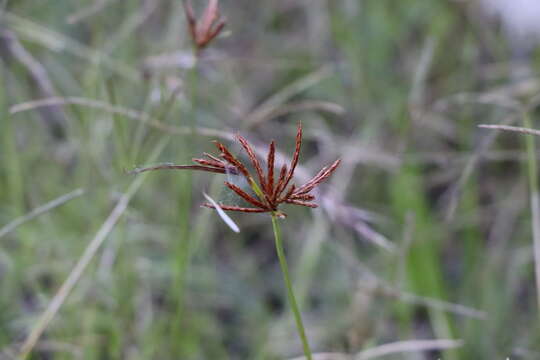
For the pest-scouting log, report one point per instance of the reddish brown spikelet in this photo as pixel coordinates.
(296, 155)
(209, 16)
(212, 157)
(304, 197)
(250, 199)
(208, 163)
(288, 194)
(190, 16)
(254, 161)
(207, 28)
(227, 156)
(303, 203)
(270, 162)
(280, 182)
(212, 23)
(320, 177)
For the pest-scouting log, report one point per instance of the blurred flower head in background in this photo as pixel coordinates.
(207, 27)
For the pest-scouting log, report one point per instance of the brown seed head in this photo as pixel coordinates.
(207, 28)
(268, 193)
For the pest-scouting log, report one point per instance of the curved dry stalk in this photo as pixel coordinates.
(88, 11)
(534, 196)
(263, 111)
(390, 348)
(518, 129)
(120, 110)
(58, 42)
(533, 187)
(53, 116)
(454, 193)
(408, 346)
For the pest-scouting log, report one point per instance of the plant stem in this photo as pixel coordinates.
(185, 245)
(290, 292)
(535, 205)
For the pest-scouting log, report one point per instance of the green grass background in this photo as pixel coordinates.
(171, 281)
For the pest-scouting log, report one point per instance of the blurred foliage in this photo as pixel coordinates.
(409, 81)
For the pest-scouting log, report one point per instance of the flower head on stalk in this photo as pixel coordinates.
(205, 29)
(269, 189)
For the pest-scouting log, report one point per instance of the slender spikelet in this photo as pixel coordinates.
(250, 199)
(211, 163)
(317, 179)
(212, 157)
(254, 161)
(227, 156)
(296, 155)
(303, 203)
(207, 28)
(209, 16)
(289, 193)
(280, 182)
(270, 171)
(304, 197)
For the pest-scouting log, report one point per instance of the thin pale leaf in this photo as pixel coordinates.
(226, 219)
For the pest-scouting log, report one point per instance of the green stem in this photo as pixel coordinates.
(185, 246)
(290, 292)
(534, 198)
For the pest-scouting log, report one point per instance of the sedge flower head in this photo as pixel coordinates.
(207, 28)
(269, 189)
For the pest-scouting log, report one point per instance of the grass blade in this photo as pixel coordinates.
(59, 298)
(39, 210)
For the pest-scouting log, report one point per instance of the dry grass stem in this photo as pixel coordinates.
(517, 129)
(53, 116)
(327, 356)
(274, 103)
(57, 42)
(381, 287)
(120, 110)
(76, 273)
(408, 346)
(453, 195)
(308, 105)
(84, 13)
(391, 348)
